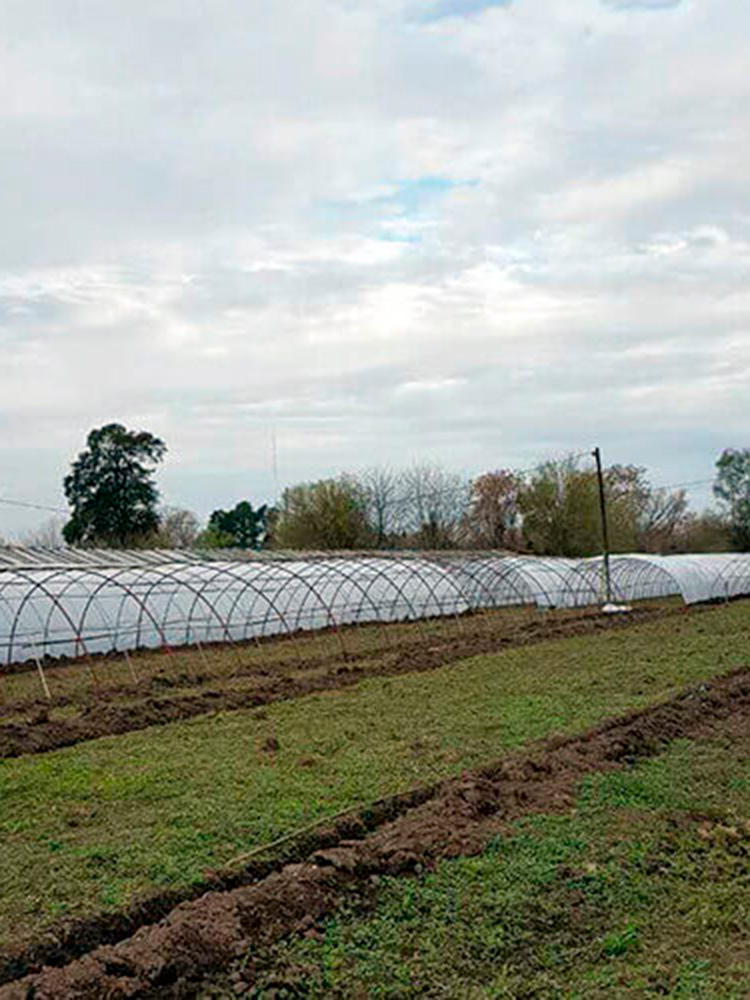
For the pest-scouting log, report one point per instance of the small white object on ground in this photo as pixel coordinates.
(616, 609)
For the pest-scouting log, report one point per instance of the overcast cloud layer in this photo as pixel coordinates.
(472, 232)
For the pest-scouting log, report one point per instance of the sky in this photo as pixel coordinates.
(372, 231)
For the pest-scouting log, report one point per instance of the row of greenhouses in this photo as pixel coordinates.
(55, 607)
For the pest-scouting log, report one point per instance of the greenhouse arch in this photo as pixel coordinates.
(68, 603)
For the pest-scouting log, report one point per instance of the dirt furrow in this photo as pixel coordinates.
(170, 957)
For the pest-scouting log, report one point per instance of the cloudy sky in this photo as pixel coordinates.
(473, 232)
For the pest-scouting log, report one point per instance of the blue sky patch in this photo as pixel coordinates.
(404, 199)
(442, 9)
(396, 214)
(413, 195)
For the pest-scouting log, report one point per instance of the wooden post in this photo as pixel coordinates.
(39, 667)
(131, 668)
(605, 534)
(203, 656)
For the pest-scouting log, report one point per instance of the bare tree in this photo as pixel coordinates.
(706, 532)
(434, 504)
(178, 529)
(48, 535)
(381, 488)
(663, 515)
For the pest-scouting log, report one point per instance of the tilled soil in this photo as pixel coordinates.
(460, 817)
(106, 715)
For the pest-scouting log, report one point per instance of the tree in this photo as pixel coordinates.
(706, 532)
(561, 515)
(433, 506)
(330, 514)
(110, 488)
(381, 489)
(240, 528)
(178, 529)
(494, 515)
(560, 509)
(559, 506)
(663, 518)
(732, 488)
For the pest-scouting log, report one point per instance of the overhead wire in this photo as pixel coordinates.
(33, 506)
(685, 485)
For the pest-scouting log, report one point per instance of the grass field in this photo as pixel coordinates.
(92, 827)
(643, 890)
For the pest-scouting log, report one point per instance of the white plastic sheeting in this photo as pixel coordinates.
(69, 611)
(705, 577)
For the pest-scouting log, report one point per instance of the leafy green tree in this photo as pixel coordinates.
(559, 505)
(330, 514)
(559, 509)
(210, 538)
(241, 528)
(110, 488)
(732, 488)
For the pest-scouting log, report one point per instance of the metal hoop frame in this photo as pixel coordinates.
(90, 607)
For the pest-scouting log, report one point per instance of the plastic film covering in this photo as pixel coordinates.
(69, 610)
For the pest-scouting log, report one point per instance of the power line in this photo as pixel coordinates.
(33, 506)
(543, 461)
(675, 486)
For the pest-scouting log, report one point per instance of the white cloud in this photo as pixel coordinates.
(474, 239)
(642, 4)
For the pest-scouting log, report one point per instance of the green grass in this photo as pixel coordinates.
(91, 827)
(643, 891)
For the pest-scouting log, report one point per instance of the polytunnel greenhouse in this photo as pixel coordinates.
(70, 603)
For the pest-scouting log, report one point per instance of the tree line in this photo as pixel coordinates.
(552, 510)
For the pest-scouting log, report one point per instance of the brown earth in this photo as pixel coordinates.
(122, 710)
(460, 817)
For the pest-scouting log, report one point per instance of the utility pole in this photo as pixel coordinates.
(275, 460)
(605, 534)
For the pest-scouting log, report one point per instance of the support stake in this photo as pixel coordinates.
(43, 679)
(605, 534)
